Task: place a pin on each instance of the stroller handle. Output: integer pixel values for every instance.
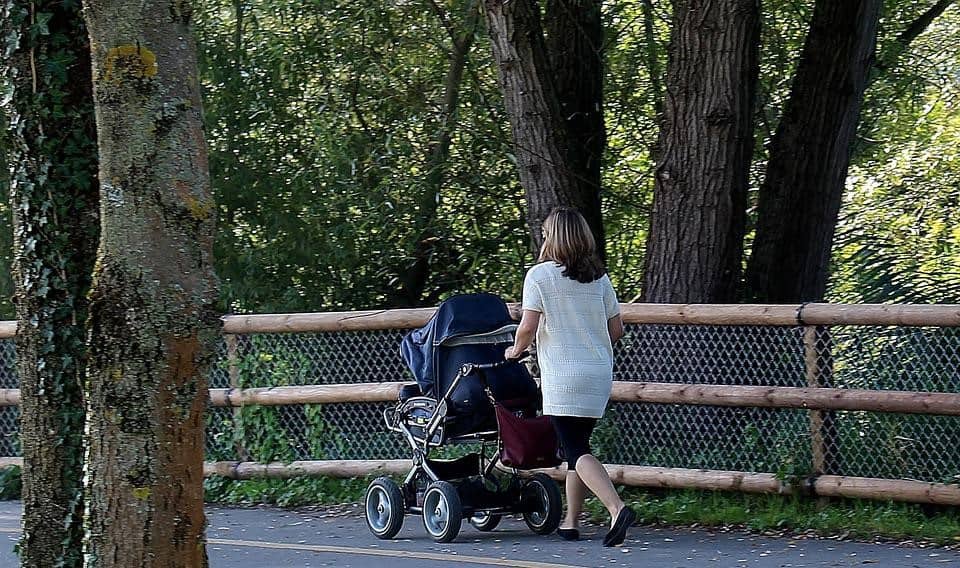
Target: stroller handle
(482, 366)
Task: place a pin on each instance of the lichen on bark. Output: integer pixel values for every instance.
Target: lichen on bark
(152, 320)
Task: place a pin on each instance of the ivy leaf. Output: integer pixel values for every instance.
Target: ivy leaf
(40, 27)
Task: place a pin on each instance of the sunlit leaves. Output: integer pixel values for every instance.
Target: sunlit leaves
(897, 238)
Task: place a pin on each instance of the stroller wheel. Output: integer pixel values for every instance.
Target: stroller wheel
(485, 521)
(542, 504)
(384, 507)
(442, 513)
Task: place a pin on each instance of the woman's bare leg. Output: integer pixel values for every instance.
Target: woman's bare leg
(595, 477)
(576, 491)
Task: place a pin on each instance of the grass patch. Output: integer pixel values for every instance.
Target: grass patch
(859, 519)
(285, 492)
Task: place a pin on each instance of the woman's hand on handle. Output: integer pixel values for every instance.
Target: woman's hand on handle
(525, 334)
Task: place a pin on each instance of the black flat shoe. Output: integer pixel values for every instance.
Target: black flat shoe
(625, 520)
(569, 534)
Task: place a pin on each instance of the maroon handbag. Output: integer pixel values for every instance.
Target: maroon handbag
(526, 443)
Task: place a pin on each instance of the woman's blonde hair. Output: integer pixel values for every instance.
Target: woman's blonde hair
(568, 241)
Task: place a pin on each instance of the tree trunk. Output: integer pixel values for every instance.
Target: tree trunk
(800, 197)
(548, 152)
(53, 174)
(152, 323)
(695, 243)
(574, 40)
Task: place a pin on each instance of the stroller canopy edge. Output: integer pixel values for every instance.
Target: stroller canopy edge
(460, 316)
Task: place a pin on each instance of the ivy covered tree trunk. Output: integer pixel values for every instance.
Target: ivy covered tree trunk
(152, 324)
(53, 183)
(801, 194)
(695, 243)
(550, 156)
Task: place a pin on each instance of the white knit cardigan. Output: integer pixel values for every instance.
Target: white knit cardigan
(573, 345)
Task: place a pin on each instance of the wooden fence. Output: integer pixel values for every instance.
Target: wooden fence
(814, 397)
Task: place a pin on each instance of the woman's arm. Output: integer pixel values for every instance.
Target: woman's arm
(526, 331)
(615, 328)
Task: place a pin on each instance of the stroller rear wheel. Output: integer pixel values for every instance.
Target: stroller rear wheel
(485, 521)
(384, 507)
(542, 504)
(442, 511)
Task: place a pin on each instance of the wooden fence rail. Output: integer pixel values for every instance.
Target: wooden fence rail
(944, 315)
(632, 475)
(906, 402)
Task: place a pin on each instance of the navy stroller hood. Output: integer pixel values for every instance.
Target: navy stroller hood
(472, 328)
(466, 314)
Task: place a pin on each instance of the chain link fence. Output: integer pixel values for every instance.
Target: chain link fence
(868, 444)
(9, 415)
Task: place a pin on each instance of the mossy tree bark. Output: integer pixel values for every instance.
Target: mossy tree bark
(695, 243)
(152, 323)
(53, 182)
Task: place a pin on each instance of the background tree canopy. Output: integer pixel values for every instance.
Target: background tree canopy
(354, 167)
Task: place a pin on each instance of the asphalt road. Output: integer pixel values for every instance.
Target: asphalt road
(268, 537)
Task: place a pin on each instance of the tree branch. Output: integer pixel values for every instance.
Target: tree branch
(921, 24)
(892, 54)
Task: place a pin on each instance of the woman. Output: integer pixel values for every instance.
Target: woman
(570, 305)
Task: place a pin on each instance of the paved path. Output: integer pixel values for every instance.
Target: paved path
(267, 538)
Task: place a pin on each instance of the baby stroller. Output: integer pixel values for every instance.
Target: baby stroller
(457, 360)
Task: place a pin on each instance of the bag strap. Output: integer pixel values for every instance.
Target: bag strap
(482, 376)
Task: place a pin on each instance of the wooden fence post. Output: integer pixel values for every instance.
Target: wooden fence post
(813, 380)
(233, 372)
(818, 356)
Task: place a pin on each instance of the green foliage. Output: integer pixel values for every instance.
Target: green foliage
(897, 240)
(323, 116)
(633, 92)
(272, 433)
(321, 122)
(11, 482)
(606, 437)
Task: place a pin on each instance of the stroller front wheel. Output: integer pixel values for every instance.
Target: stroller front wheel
(542, 504)
(384, 508)
(442, 511)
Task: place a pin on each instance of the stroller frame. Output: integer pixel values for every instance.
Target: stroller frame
(444, 492)
(433, 435)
